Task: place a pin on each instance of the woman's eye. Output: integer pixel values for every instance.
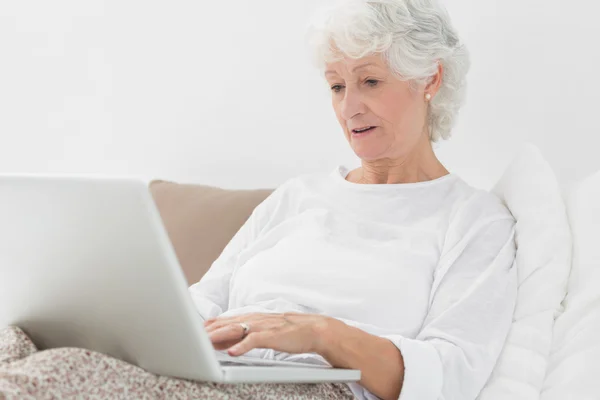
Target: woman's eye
(339, 88)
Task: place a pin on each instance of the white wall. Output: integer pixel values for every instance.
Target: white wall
(223, 93)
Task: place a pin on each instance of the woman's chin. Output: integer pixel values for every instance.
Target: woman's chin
(368, 153)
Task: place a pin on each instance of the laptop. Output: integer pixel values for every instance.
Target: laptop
(86, 262)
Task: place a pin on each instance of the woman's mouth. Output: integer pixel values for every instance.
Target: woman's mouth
(359, 132)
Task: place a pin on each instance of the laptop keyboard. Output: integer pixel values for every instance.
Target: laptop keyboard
(227, 360)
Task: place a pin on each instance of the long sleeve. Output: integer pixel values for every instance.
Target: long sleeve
(211, 293)
(471, 307)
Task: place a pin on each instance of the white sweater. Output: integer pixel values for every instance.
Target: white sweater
(428, 265)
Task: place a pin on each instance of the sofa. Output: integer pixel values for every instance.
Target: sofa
(553, 350)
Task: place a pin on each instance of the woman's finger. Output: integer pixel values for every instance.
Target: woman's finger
(226, 333)
(226, 345)
(252, 341)
(235, 331)
(222, 324)
(218, 324)
(254, 321)
(242, 318)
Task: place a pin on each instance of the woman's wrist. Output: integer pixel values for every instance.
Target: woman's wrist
(331, 335)
(379, 360)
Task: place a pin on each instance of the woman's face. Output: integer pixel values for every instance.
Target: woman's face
(382, 116)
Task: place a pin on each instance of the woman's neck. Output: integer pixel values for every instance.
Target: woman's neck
(419, 166)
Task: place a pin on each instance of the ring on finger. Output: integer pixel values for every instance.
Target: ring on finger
(245, 327)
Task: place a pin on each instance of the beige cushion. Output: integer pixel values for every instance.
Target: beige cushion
(201, 220)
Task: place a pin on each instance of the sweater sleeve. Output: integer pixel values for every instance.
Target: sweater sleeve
(471, 307)
(211, 293)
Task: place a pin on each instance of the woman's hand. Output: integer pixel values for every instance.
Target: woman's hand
(288, 332)
(343, 346)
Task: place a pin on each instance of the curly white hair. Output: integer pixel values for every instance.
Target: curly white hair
(412, 36)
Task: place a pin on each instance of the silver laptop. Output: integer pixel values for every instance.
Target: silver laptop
(86, 262)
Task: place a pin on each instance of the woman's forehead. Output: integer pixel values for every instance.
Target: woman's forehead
(348, 65)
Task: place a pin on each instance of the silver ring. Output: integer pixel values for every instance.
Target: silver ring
(245, 327)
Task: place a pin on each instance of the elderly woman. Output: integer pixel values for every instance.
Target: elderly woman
(397, 268)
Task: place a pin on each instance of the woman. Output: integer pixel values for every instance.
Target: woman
(397, 268)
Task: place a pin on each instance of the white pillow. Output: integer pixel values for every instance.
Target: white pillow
(574, 369)
(531, 192)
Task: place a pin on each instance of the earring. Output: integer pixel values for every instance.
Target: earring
(428, 96)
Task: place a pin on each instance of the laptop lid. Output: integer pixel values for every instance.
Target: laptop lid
(86, 262)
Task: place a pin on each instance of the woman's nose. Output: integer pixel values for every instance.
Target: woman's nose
(352, 105)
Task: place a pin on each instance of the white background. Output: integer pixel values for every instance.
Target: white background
(223, 92)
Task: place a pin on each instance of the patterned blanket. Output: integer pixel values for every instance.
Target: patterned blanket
(74, 373)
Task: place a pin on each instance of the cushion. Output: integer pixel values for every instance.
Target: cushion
(201, 220)
(574, 369)
(531, 192)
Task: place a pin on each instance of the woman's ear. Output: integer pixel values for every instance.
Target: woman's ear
(435, 81)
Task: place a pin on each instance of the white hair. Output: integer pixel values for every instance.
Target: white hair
(411, 35)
